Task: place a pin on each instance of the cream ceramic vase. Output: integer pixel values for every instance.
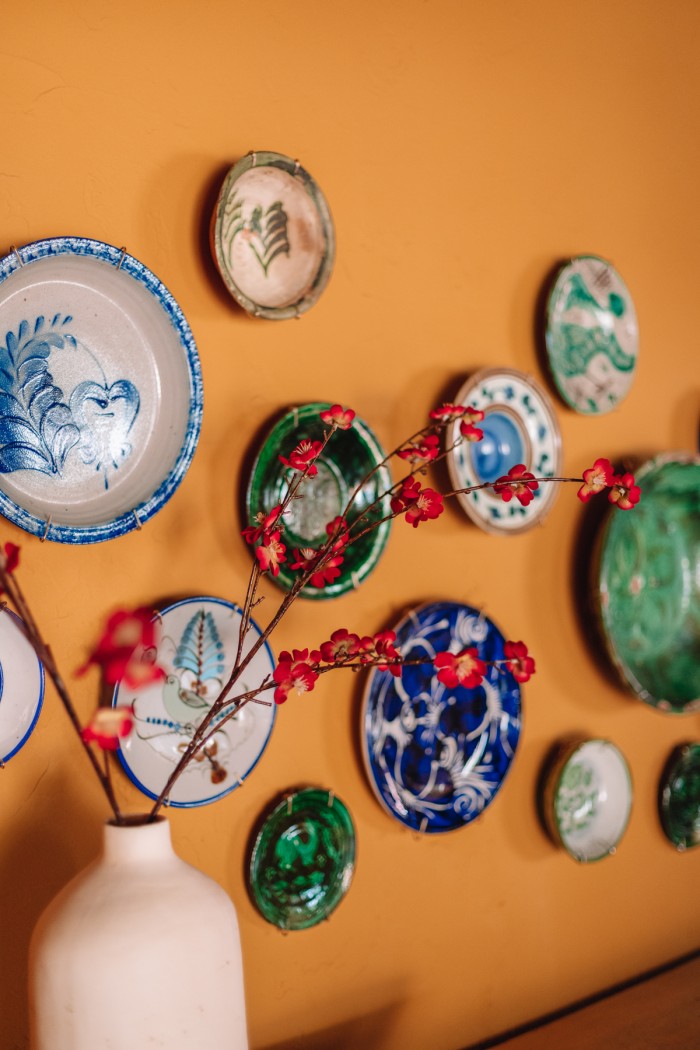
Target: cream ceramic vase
(139, 951)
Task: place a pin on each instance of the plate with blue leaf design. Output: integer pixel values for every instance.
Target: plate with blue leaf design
(100, 391)
(21, 686)
(435, 756)
(520, 426)
(197, 645)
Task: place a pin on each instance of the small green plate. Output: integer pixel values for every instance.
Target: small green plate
(679, 797)
(591, 335)
(272, 236)
(347, 459)
(303, 859)
(646, 584)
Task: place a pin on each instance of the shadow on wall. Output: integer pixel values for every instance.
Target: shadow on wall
(370, 1032)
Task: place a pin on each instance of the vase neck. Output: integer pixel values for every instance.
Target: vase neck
(137, 842)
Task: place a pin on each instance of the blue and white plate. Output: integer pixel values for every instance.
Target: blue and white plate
(21, 686)
(100, 391)
(197, 649)
(520, 426)
(436, 757)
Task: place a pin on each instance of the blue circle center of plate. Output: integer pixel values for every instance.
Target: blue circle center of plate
(500, 448)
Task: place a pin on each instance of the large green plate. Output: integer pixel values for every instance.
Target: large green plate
(679, 797)
(647, 585)
(348, 457)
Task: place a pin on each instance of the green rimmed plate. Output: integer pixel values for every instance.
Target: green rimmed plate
(591, 335)
(348, 457)
(679, 797)
(303, 859)
(272, 236)
(646, 584)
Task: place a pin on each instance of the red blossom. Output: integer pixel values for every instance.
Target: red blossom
(306, 558)
(108, 726)
(518, 482)
(595, 479)
(470, 432)
(252, 533)
(271, 552)
(9, 558)
(293, 672)
(518, 661)
(624, 492)
(338, 417)
(464, 668)
(303, 456)
(125, 652)
(341, 646)
(447, 412)
(419, 504)
(424, 451)
(337, 531)
(381, 650)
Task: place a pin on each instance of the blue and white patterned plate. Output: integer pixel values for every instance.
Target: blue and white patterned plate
(197, 648)
(21, 686)
(100, 391)
(520, 426)
(436, 757)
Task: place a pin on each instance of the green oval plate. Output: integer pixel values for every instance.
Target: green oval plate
(679, 797)
(591, 335)
(303, 859)
(646, 583)
(348, 457)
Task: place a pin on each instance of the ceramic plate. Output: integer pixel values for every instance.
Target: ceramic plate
(646, 585)
(591, 335)
(349, 456)
(21, 686)
(519, 426)
(272, 236)
(587, 799)
(679, 797)
(436, 757)
(197, 648)
(100, 391)
(303, 859)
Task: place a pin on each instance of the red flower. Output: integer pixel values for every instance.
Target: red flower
(472, 415)
(342, 646)
(305, 558)
(107, 726)
(293, 672)
(337, 530)
(447, 412)
(271, 552)
(252, 533)
(595, 479)
(338, 417)
(380, 650)
(9, 558)
(624, 492)
(419, 504)
(465, 669)
(425, 451)
(126, 650)
(517, 482)
(518, 661)
(303, 457)
(471, 433)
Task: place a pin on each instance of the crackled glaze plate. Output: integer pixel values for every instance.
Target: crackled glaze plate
(100, 391)
(591, 335)
(196, 649)
(436, 757)
(303, 859)
(679, 797)
(21, 686)
(520, 426)
(587, 798)
(272, 236)
(646, 585)
(346, 460)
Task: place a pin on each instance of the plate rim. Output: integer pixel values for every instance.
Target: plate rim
(42, 684)
(127, 521)
(157, 615)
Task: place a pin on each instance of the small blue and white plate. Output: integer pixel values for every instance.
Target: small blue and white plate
(21, 686)
(436, 757)
(197, 649)
(100, 391)
(520, 426)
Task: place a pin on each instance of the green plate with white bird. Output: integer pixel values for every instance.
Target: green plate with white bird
(198, 640)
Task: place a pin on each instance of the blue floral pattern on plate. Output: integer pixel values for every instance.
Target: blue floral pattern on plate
(436, 757)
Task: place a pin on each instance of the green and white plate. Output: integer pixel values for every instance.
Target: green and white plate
(272, 236)
(646, 585)
(520, 426)
(679, 797)
(587, 798)
(348, 458)
(591, 335)
(303, 859)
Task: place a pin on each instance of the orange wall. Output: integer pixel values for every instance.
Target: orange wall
(464, 147)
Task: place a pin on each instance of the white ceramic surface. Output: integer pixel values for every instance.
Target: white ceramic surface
(592, 800)
(21, 686)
